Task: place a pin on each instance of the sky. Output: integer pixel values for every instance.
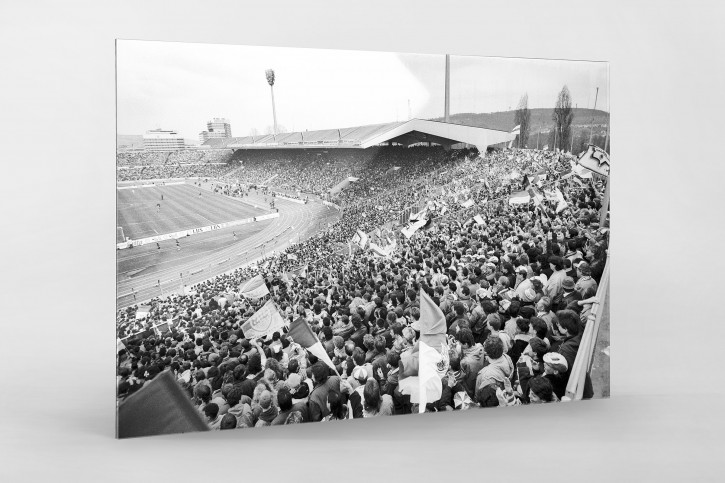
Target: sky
(181, 86)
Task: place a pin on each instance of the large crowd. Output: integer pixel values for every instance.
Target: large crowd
(516, 285)
(182, 156)
(168, 171)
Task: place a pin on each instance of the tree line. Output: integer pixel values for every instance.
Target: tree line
(564, 136)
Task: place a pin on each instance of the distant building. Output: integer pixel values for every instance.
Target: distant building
(203, 136)
(162, 140)
(218, 128)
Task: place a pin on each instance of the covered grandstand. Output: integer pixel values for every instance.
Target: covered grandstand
(405, 133)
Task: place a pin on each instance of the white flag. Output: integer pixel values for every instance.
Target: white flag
(265, 322)
(254, 288)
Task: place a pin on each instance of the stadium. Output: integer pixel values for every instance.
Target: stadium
(142, 220)
(312, 275)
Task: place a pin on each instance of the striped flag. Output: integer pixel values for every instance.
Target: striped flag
(421, 368)
(302, 334)
(254, 288)
(432, 322)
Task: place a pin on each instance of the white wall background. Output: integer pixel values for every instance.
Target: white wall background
(58, 274)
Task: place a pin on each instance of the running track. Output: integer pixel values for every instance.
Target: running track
(209, 254)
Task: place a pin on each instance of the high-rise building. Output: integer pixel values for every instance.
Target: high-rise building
(162, 140)
(219, 128)
(203, 136)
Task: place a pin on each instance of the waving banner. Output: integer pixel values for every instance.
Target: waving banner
(363, 238)
(254, 288)
(265, 322)
(410, 229)
(467, 203)
(595, 159)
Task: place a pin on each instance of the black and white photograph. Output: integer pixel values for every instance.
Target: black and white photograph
(310, 235)
(228, 226)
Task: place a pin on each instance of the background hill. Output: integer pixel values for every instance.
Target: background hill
(541, 120)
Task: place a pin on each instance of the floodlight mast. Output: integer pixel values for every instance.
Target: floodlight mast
(447, 108)
(270, 81)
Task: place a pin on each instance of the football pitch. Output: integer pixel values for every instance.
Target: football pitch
(141, 212)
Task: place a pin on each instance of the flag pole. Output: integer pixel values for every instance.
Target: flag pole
(591, 129)
(605, 203)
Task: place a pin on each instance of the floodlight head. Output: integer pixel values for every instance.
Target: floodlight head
(270, 76)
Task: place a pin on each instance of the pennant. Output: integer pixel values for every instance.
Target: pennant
(265, 322)
(302, 334)
(254, 288)
(432, 322)
(160, 407)
(120, 345)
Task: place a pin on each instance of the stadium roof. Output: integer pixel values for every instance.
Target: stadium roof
(361, 137)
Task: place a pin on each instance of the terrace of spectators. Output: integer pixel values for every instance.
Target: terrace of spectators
(466, 268)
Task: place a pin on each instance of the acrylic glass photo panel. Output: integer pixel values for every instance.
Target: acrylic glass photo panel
(309, 236)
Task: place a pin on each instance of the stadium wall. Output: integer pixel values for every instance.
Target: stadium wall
(192, 231)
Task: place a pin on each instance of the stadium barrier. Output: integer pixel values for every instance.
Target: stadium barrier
(332, 205)
(193, 231)
(293, 200)
(266, 217)
(582, 367)
(149, 185)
